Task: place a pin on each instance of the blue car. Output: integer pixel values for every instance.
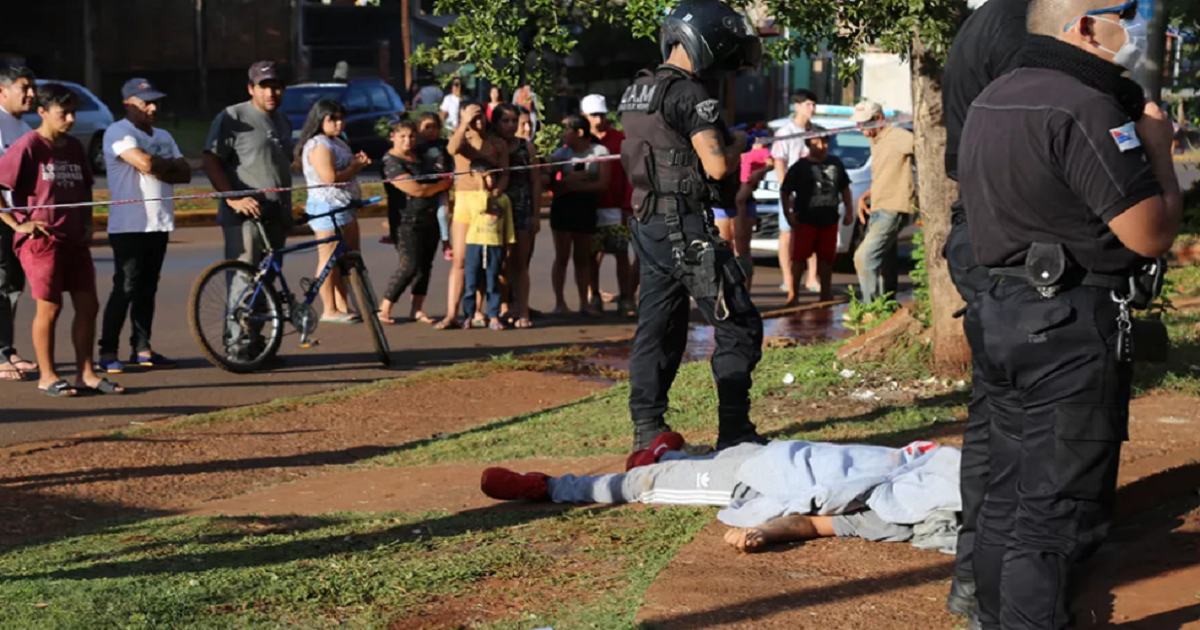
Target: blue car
(365, 100)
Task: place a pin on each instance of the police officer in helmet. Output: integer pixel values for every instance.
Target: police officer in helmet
(676, 149)
(1070, 196)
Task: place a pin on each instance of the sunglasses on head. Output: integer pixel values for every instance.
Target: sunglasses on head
(1126, 11)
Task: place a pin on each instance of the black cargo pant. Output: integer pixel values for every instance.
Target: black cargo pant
(1059, 406)
(662, 332)
(970, 279)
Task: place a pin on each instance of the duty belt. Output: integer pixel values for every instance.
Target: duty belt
(1088, 279)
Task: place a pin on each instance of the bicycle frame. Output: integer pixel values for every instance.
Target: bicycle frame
(272, 264)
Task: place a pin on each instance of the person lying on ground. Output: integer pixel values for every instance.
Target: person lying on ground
(783, 491)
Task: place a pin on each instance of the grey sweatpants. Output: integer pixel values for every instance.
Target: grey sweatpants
(709, 480)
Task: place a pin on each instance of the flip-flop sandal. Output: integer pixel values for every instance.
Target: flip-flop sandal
(497, 325)
(59, 389)
(446, 325)
(523, 324)
(105, 387)
(26, 366)
(12, 375)
(424, 319)
(341, 319)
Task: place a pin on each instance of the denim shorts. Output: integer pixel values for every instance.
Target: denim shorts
(326, 224)
(784, 226)
(722, 213)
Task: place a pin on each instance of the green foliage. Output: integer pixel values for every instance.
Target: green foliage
(383, 127)
(863, 316)
(920, 278)
(548, 138)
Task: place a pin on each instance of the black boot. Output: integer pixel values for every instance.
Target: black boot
(961, 601)
(732, 432)
(646, 429)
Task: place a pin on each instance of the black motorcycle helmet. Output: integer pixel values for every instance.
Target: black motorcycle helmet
(715, 36)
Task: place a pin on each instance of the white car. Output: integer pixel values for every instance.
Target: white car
(91, 120)
(851, 147)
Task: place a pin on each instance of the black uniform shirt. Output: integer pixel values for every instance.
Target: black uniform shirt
(1045, 158)
(984, 49)
(689, 110)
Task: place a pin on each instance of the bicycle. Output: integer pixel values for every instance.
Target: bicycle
(237, 314)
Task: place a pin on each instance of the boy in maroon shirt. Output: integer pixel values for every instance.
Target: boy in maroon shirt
(48, 167)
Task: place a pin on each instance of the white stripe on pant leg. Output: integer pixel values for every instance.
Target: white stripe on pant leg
(685, 497)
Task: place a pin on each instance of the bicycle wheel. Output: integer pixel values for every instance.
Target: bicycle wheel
(237, 325)
(368, 305)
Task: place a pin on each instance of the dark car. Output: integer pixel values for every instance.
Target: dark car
(365, 100)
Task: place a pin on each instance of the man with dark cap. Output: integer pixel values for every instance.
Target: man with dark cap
(143, 163)
(985, 48)
(250, 147)
(1071, 196)
(676, 148)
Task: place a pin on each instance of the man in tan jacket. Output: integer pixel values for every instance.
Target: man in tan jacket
(890, 202)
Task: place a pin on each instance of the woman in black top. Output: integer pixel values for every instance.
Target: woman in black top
(523, 190)
(412, 217)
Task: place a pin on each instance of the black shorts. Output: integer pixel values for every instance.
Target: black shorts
(574, 212)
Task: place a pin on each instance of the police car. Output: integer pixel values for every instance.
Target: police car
(851, 147)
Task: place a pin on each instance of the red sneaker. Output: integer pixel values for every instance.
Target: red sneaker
(507, 485)
(669, 441)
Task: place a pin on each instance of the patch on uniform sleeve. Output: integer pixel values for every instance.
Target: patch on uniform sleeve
(1126, 137)
(708, 110)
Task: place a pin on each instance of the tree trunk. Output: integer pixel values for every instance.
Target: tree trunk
(951, 353)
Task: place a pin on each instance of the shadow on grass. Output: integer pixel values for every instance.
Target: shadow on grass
(262, 554)
(34, 510)
(940, 400)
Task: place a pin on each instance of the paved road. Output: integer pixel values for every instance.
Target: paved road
(343, 357)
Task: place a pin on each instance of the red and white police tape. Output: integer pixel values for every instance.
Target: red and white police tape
(237, 194)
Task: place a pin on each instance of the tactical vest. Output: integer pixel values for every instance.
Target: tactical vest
(660, 162)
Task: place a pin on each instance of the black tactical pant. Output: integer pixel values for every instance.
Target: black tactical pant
(970, 279)
(662, 332)
(1059, 406)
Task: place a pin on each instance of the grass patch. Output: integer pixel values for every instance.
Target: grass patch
(599, 425)
(585, 567)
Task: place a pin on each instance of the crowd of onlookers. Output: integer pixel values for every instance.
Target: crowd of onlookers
(483, 219)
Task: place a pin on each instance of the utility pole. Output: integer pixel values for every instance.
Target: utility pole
(406, 41)
(201, 58)
(1150, 74)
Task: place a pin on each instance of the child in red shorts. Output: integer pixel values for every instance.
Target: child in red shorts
(810, 195)
(48, 167)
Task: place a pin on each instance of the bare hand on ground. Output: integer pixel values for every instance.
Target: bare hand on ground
(746, 539)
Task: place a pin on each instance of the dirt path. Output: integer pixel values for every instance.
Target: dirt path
(448, 487)
(60, 489)
(1148, 575)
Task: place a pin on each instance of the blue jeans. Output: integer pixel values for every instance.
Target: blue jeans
(875, 260)
(483, 260)
(443, 216)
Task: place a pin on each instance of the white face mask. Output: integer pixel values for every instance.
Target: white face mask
(1134, 49)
